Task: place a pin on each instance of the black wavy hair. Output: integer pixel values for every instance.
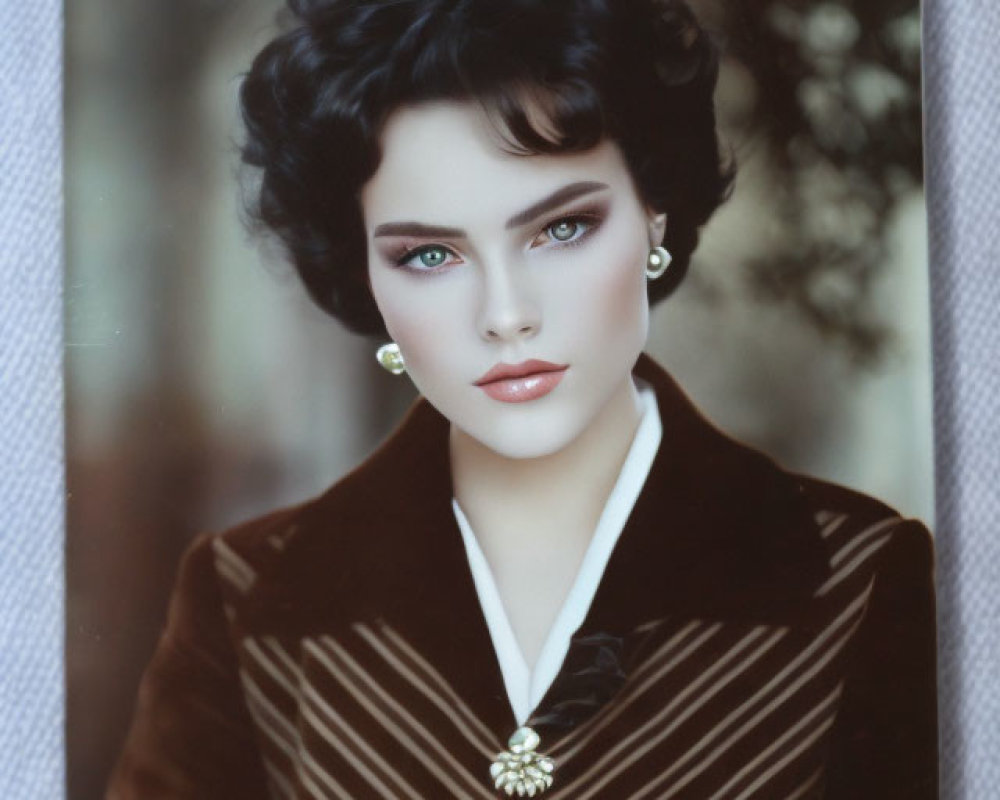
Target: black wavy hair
(640, 72)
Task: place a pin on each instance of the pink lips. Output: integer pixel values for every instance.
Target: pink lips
(519, 383)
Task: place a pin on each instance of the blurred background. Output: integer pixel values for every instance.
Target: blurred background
(203, 388)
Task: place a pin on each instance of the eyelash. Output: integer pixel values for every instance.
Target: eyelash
(591, 219)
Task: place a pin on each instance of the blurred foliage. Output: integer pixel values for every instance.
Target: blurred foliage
(836, 105)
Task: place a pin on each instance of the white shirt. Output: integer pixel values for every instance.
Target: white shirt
(526, 687)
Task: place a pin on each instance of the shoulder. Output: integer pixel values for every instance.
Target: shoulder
(878, 603)
(877, 579)
(741, 499)
(858, 530)
(344, 546)
(250, 555)
(794, 545)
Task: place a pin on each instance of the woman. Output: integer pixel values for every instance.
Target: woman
(555, 576)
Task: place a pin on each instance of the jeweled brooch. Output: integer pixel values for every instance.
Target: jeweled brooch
(519, 768)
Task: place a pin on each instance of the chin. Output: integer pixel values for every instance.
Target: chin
(523, 441)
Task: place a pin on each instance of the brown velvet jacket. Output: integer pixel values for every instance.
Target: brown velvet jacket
(756, 634)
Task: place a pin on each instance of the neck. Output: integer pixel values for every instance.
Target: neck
(568, 488)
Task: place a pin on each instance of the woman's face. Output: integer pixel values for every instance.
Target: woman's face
(482, 262)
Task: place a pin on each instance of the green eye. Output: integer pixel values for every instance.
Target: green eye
(427, 258)
(564, 230)
(433, 256)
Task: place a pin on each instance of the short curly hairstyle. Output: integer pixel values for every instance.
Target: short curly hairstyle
(314, 103)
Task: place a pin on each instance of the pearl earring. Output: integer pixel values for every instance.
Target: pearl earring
(390, 358)
(657, 262)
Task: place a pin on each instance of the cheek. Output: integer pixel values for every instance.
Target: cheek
(418, 335)
(416, 318)
(618, 299)
(627, 289)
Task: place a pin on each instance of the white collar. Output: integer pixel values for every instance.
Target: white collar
(525, 688)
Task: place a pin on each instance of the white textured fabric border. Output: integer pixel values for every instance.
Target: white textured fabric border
(962, 78)
(964, 192)
(31, 471)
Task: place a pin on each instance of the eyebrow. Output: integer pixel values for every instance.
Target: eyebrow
(558, 198)
(418, 229)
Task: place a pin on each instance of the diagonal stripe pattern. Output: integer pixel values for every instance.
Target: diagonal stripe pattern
(713, 709)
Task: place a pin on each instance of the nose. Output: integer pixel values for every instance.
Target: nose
(508, 312)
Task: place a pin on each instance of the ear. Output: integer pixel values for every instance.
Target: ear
(657, 227)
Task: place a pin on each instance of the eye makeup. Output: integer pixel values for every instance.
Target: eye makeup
(590, 218)
(431, 252)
